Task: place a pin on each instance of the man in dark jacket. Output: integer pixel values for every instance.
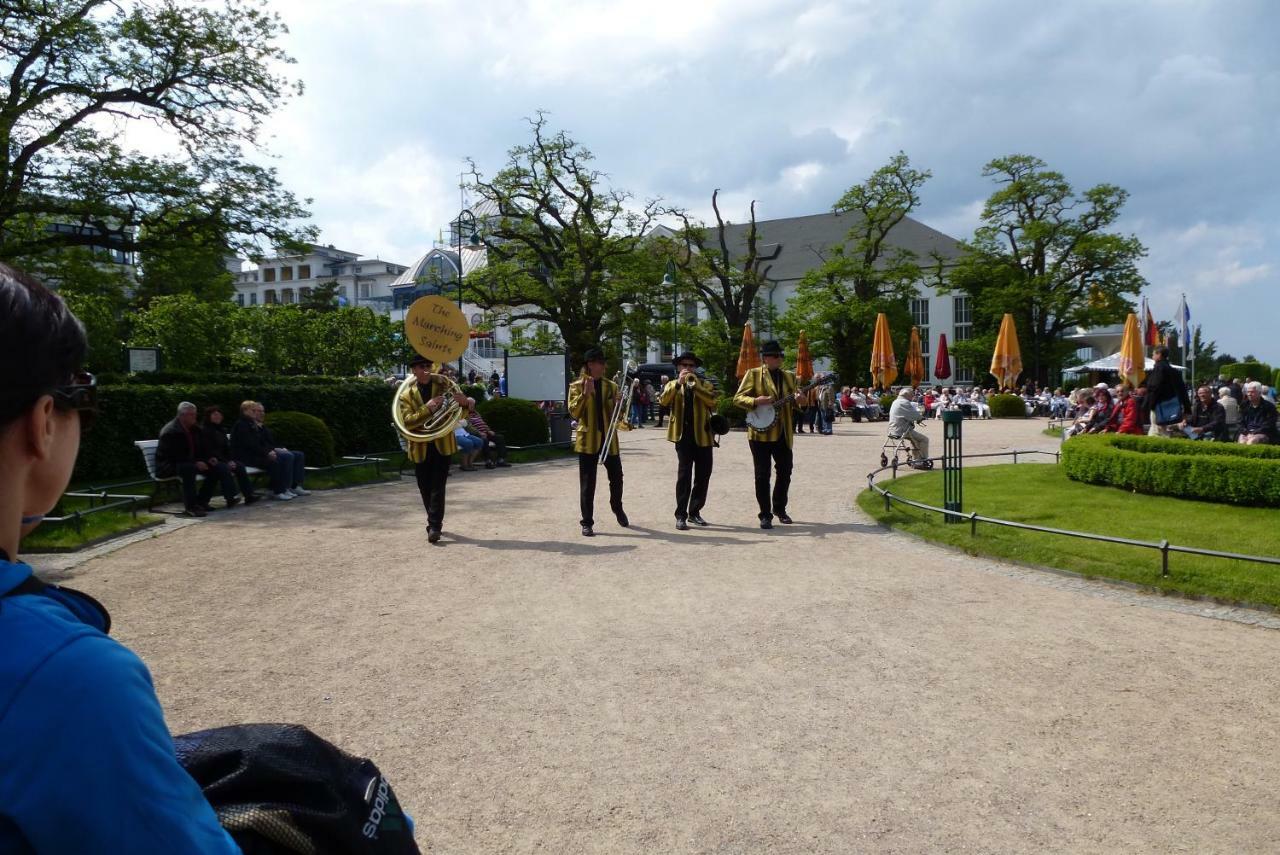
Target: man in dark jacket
(1165, 386)
(213, 434)
(181, 453)
(1257, 418)
(253, 445)
(1208, 420)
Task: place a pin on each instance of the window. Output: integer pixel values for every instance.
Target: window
(342, 291)
(304, 293)
(253, 299)
(240, 300)
(286, 274)
(390, 269)
(964, 310)
(963, 332)
(304, 271)
(288, 296)
(920, 312)
(268, 274)
(269, 297)
(359, 269)
(690, 313)
(364, 290)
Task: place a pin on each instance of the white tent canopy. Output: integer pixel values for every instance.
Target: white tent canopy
(1109, 363)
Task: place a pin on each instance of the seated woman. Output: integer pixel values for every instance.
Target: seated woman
(469, 445)
(1084, 416)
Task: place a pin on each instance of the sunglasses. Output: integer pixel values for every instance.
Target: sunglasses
(81, 395)
(686, 365)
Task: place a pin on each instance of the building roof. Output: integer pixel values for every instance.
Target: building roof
(472, 259)
(792, 246)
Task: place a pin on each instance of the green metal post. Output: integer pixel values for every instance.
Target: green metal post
(952, 482)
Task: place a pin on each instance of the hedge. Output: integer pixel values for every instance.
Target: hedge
(357, 412)
(1209, 471)
(736, 415)
(520, 422)
(886, 401)
(303, 432)
(1259, 371)
(1007, 407)
(218, 378)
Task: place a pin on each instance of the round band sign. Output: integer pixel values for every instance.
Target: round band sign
(436, 328)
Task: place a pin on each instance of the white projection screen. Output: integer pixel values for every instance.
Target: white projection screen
(538, 378)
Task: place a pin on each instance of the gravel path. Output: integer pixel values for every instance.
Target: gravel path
(823, 687)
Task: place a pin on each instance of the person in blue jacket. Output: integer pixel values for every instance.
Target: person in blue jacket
(86, 761)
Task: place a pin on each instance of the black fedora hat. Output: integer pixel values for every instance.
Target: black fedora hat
(771, 348)
(689, 355)
(593, 354)
(419, 359)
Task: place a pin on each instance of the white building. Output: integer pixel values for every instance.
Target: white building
(289, 278)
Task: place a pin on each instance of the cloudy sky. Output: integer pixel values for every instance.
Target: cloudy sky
(790, 102)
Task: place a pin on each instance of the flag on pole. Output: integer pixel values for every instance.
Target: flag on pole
(1150, 333)
(1184, 321)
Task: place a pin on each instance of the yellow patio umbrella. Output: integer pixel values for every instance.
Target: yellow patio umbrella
(748, 356)
(884, 367)
(1006, 362)
(804, 362)
(1132, 354)
(913, 368)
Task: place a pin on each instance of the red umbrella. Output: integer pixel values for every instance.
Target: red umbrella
(942, 361)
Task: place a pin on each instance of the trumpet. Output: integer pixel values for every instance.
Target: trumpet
(691, 379)
(621, 406)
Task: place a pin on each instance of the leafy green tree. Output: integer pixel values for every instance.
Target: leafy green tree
(192, 335)
(78, 72)
(183, 256)
(563, 248)
(535, 339)
(836, 303)
(1045, 254)
(323, 298)
(101, 320)
(351, 340)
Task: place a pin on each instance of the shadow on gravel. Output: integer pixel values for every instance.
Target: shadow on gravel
(564, 548)
(695, 535)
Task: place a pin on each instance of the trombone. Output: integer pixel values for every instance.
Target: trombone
(622, 406)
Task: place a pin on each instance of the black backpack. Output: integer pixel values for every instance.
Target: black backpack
(279, 788)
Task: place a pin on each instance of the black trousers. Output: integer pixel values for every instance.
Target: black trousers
(587, 470)
(693, 471)
(432, 473)
(761, 454)
(215, 475)
(495, 449)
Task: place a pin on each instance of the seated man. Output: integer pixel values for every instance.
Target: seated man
(1257, 417)
(903, 416)
(1058, 404)
(181, 453)
(253, 445)
(1207, 419)
(469, 445)
(495, 447)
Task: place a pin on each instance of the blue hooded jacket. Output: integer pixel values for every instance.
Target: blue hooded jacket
(88, 763)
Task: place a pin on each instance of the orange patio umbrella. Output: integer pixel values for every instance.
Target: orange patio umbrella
(1006, 362)
(884, 366)
(913, 367)
(748, 356)
(804, 362)
(1133, 361)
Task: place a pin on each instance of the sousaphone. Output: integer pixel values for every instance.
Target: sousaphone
(436, 328)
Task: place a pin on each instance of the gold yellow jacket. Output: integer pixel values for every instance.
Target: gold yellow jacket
(704, 399)
(414, 413)
(757, 382)
(590, 435)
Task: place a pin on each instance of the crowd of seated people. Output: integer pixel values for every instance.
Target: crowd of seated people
(1212, 417)
(190, 451)
(860, 404)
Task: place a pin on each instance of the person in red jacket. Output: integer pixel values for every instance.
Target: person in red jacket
(1127, 415)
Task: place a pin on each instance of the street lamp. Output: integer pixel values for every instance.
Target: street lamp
(669, 280)
(466, 220)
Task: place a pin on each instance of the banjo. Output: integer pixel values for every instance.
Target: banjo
(763, 416)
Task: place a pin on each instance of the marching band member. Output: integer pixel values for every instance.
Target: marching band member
(430, 459)
(690, 400)
(591, 401)
(762, 386)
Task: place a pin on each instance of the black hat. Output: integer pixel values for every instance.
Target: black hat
(771, 348)
(419, 359)
(689, 355)
(593, 354)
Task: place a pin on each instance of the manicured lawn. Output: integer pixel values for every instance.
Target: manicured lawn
(1041, 494)
(61, 536)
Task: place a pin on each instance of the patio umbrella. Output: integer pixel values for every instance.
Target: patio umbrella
(913, 367)
(884, 367)
(942, 361)
(804, 362)
(1006, 362)
(1132, 354)
(748, 356)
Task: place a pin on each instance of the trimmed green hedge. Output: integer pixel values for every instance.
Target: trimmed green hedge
(1210, 471)
(736, 415)
(357, 413)
(886, 401)
(520, 422)
(217, 378)
(303, 432)
(1259, 371)
(1007, 407)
